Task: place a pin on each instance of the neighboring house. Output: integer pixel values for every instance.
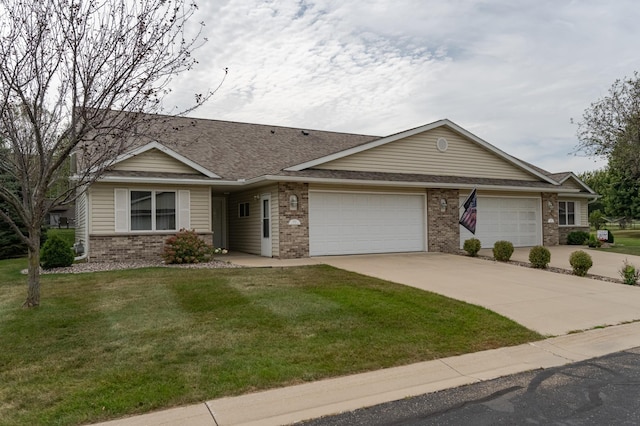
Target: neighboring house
(62, 216)
(291, 193)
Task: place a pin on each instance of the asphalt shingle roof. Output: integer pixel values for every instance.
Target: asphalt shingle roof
(243, 151)
(236, 151)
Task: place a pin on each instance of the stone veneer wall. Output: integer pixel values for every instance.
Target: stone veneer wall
(294, 239)
(126, 248)
(565, 230)
(443, 228)
(550, 232)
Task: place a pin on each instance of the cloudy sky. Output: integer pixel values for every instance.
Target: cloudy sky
(512, 72)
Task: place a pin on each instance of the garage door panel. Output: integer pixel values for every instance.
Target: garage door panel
(512, 219)
(353, 223)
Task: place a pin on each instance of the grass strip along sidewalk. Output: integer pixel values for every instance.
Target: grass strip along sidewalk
(105, 345)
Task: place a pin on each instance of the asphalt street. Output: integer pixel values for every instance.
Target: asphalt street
(599, 391)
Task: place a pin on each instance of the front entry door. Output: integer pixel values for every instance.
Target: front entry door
(265, 201)
(219, 221)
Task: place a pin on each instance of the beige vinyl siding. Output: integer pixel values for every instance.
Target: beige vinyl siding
(102, 206)
(584, 213)
(572, 184)
(419, 154)
(154, 161)
(200, 209)
(245, 233)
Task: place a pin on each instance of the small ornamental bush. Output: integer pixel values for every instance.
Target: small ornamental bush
(580, 262)
(472, 246)
(186, 247)
(502, 251)
(56, 253)
(539, 257)
(594, 242)
(629, 273)
(577, 238)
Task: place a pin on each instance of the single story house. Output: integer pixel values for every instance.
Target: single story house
(291, 193)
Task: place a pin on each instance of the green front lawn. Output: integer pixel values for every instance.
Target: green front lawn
(625, 241)
(106, 345)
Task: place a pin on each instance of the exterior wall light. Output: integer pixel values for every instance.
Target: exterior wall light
(443, 205)
(293, 202)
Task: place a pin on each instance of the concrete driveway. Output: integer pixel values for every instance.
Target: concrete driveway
(550, 303)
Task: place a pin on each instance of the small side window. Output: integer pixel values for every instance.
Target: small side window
(243, 210)
(567, 213)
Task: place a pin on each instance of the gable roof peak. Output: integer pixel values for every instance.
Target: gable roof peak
(168, 151)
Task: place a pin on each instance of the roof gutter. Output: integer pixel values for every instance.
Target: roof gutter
(277, 178)
(271, 178)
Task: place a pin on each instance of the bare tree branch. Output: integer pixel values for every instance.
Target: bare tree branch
(82, 76)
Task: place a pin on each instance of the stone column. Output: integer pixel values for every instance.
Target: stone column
(443, 230)
(550, 230)
(294, 220)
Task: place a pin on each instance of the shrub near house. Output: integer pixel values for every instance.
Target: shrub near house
(56, 253)
(580, 262)
(186, 247)
(502, 251)
(539, 257)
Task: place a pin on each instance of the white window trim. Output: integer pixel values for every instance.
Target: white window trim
(577, 219)
(122, 210)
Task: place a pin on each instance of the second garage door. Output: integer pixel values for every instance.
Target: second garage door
(358, 223)
(517, 220)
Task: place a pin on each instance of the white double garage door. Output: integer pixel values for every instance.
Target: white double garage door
(359, 223)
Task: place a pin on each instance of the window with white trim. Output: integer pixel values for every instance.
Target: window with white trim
(567, 213)
(151, 210)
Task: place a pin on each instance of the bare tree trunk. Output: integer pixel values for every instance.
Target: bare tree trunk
(33, 278)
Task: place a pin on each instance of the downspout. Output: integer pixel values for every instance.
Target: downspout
(85, 255)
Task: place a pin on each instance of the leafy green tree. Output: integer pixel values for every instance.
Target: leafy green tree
(622, 199)
(598, 180)
(81, 76)
(596, 220)
(610, 127)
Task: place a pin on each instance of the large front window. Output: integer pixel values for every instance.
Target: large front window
(567, 212)
(153, 211)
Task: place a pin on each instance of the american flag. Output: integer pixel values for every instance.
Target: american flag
(468, 219)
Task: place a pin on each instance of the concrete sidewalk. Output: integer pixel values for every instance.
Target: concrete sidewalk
(311, 400)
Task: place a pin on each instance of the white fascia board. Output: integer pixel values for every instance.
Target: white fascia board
(169, 152)
(407, 184)
(392, 138)
(167, 181)
(577, 195)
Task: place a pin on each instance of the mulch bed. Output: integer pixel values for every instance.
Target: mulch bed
(554, 269)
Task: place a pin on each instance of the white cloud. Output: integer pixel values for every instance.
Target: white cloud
(513, 73)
